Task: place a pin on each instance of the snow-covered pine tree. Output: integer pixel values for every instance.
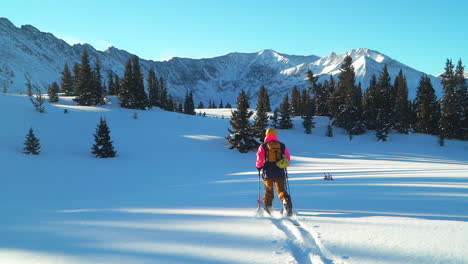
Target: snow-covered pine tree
(401, 108)
(261, 117)
(53, 91)
(450, 115)
(67, 81)
(32, 144)
(103, 147)
(383, 105)
(427, 108)
(285, 121)
(241, 136)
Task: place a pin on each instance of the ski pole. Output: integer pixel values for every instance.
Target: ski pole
(258, 199)
(287, 182)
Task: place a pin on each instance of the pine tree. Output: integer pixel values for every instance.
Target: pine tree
(383, 105)
(53, 91)
(67, 81)
(76, 78)
(98, 89)
(221, 104)
(117, 83)
(461, 94)
(111, 83)
(427, 108)
(241, 135)
(32, 144)
(402, 105)
(261, 116)
(296, 105)
(308, 110)
(103, 147)
(189, 105)
(153, 88)
(285, 121)
(450, 115)
(329, 130)
(228, 105)
(38, 100)
(86, 85)
(201, 105)
(263, 94)
(275, 118)
(348, 100)
(164, 98)
(369, 104)
(140, 96)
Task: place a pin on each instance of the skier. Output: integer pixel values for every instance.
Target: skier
(268, 155)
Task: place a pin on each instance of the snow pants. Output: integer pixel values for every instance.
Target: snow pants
(279, 183)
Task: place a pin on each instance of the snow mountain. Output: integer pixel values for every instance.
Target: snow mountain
(27, 53)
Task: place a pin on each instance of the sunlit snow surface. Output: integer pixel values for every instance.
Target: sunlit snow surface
(177, 194)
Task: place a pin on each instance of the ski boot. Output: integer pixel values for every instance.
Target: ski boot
(287, 204)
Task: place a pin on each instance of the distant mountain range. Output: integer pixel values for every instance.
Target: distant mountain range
(27, 53)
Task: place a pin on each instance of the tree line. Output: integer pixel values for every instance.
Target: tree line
(384, 107)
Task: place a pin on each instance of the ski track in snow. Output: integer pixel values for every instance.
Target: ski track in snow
(304, 244)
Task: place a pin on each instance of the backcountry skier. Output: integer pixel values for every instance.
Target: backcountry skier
(273, 157)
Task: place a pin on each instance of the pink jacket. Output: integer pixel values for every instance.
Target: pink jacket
(261, 151)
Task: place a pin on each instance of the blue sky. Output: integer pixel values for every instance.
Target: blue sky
(421, 34)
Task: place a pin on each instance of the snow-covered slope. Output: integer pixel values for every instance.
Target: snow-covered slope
(27, 53)
(177, 194)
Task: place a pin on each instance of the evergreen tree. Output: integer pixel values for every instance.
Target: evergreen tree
(189, 105)
(329, 130)
(140, 96)
(201, 105)
(241, 135)
(312, 80)
(29, 87)
(67, 81)
(117, 84)
(275, 118)
(369, 104)
(153, 88)
(308, 114)
(402, 105)
(285, 121)
(383, 105)
(53, 91)
(263, 94)
(32, 144)
(261, 116)
(221, 104)
(38, 100)
(133, 93)
(296, 105)
(98, 89)
(103, 147)
(111, 83)
(228, 105)
(164, 98)
(450, 110)
(461, 94)
(427, 108)
(348, 100)
(76, 78)
(86, 85)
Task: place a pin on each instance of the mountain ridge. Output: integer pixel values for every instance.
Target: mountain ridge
(28, 53)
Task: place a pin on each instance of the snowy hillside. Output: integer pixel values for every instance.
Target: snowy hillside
(27, 53)
(177, 194)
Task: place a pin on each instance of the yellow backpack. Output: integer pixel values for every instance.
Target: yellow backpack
(274, 153)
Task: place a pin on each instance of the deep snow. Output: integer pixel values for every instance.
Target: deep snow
(176, 194)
